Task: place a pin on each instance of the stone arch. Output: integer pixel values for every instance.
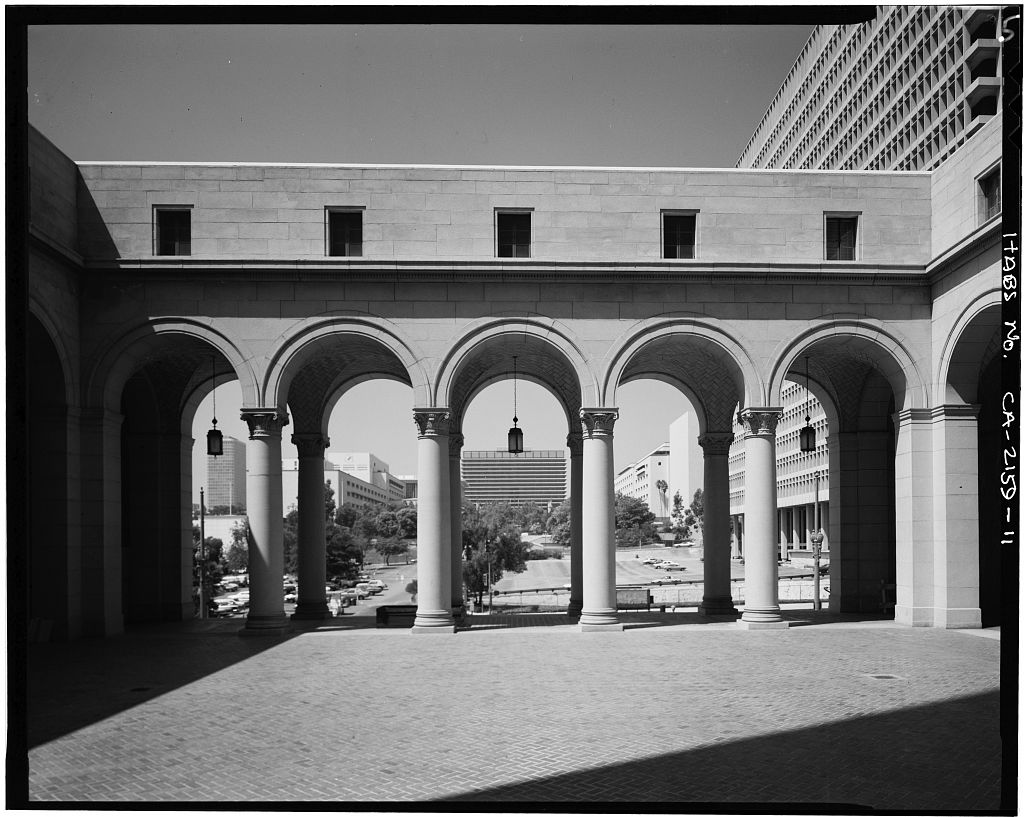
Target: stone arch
(312, 369)
(548, 355)
(867, 344)
(721, 373)
(969, 347)
(37, 310)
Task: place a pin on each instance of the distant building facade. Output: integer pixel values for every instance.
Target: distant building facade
(640, 480)
(369, 469)
(349, 475)
(225, 477)
(497, 476)
(686, 463)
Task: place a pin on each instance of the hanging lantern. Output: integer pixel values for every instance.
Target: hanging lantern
(807, 435)
(214, 438)
(515, 434)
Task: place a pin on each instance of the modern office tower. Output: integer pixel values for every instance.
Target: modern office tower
(686, 465)
(900, 92)
(369, 468)
(640, 481)
(225, 477)
(412, 486)
(348, 489)
(497, 476)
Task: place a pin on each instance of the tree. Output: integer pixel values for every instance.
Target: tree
(559, 524)
(411, 588)
(390, 547)
(490, 537)
(679, 526)
(344, 558)
(291, 542)
(347, 515)
(694, 516)
(386, 524)
(634, 522)
(407, 518)
(213, 572)
(237, 557)
(662, 487)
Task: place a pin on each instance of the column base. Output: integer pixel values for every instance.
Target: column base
(592, 621)
(719, 606)
(458, 612)
(311, 611)
(431, 621)
(762, 619)
(276, 624)
(762, 625)
(575, 608)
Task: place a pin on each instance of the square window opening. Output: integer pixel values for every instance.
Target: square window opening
(173, 228)
(513, 234)
(840, 238)
(345, 233)
(679, 235)
(990, 195)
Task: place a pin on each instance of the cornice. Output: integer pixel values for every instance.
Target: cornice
(43, 241)
(986, 236)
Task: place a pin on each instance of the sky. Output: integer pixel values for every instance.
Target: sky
(618, 96)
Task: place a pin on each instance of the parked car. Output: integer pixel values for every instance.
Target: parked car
(653, 560)
(377, 583)
(290, 597)
(674, 567)
(224, 607)
(351, 594)
(666, 565)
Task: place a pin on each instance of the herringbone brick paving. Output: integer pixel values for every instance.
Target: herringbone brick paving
(673, 714)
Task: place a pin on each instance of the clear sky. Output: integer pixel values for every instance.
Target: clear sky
(652, 96)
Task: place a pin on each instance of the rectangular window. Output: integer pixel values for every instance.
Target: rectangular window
(172, 230)
(840, 238)
(990, 198)
(345, 232)
(513, 233)
(679, 235)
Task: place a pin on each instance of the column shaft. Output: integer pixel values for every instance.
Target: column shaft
(312, 532)
(455, 442)
(761, 608)
(717, 569)
(433, 533)
(575, 444)
(266, 524)
(599, 600)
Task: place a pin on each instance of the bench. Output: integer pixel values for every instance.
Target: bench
(632, 599)
(396, 615)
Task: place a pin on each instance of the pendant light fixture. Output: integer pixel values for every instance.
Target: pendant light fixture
(214, 439)
(807, 441)
(515, 434)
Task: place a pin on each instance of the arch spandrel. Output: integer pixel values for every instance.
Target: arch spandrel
(68, 367)
(709, 366)
(971, 344)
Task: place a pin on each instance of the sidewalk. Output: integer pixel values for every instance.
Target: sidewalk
(678, 709)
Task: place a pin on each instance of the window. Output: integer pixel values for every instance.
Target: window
(990, 201)
(679, 234)
(513, 233)
(172, 230)
(344, 232)
(841, 238)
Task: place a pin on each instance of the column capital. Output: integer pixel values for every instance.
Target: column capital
(455, 443)
(598, 422)
(264, 422)
(574, 442)
(715, 442)
(760, 422)
(432, 422)
(310, 444)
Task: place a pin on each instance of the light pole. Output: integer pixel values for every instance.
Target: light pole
(202, 554)
(816, 539)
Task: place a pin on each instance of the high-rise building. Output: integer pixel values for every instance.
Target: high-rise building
(225, 477)
(497, 476)
(686, 466)
(900, 92)
(643, 480)
(368, 468)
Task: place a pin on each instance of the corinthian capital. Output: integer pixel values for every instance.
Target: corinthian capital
(455, 442)
(598, 422)
(264, 422)
(310, 445)
(574, 442)
(431, 422)
(715, 442)
(760, 422)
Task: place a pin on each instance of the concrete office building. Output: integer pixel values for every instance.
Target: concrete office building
(225, 477)
(686, 462)
(370, 469)
(497, 476)
(300, 280)
(640, 481)
(411, 488)
(348, 489)
(901, 92)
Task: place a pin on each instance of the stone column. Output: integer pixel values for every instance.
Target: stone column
(266, 523)
(599, 601)
(575, 444)
(455, 442)
(717, 570)
(915, 511)
(433, 526)
(312, 533)
(761, 609)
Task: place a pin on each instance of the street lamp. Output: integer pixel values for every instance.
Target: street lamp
(214, 439)
(807, 441)
(816, 539)
(515, 434)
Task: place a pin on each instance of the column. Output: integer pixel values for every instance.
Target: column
(433, 527)
(762, 568)
(266, 523)
(455, 442)
(575, 444)
(957, 578)
(599, 601)
(312, 532)
(717, 569)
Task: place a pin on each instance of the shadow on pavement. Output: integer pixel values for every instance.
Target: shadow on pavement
(940, 757)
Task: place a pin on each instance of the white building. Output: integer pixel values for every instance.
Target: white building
(686, 465)
(640, 481)
(370, 469)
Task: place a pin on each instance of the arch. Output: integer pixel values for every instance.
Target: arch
(975, 324)
(71, 385)
(536, 336)
(858, 339)
(129, 351)
(719, 349)
(292, 356)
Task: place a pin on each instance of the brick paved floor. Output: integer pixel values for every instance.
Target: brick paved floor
(677, 715)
